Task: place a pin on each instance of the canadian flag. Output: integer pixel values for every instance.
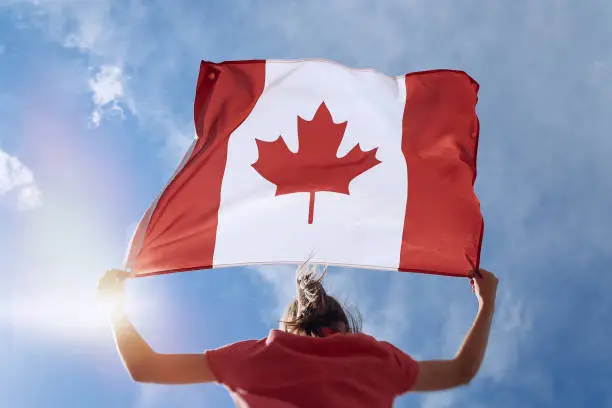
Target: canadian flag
(297, 160)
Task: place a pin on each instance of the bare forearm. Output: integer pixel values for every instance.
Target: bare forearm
(471, 353)
(133, 349)
(147, 366)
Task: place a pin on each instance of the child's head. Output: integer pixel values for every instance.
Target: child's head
(313, 309)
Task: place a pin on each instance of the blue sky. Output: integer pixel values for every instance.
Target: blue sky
(96, 110)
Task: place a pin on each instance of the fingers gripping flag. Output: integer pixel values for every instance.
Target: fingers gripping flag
(298, 159)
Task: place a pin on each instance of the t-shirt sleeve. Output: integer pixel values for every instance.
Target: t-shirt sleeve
(408, 369)
(228, 363)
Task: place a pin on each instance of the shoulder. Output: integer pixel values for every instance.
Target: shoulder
(232, 355)
(236, 349)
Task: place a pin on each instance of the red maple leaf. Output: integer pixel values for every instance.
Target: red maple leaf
(315, 166)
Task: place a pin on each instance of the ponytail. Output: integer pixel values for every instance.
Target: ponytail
(313, 310)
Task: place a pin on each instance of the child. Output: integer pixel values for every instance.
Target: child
(316, 359)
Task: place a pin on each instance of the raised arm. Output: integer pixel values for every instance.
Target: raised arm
(142, 363)
(438, 375)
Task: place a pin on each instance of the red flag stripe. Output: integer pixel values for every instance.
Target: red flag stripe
(139, 236)
(181, 226)
(443, 225)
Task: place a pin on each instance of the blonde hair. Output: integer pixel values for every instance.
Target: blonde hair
(313, 309)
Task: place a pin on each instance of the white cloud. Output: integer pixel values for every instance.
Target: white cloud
(107, 89)
(116, 37)
(510, 330)
(15, 176)
(512, 325)
(281, 279)
(89, 27)
(92, 22)
(444, 399)
(30, 197)
(106, 86)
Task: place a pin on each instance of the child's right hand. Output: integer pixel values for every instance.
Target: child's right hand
(485, 287)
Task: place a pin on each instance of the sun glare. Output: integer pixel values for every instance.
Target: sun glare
(65, 249)
(77, 316)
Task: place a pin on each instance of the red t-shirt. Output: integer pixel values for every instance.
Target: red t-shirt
(290, 371)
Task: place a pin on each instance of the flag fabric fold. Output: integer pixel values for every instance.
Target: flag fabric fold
(312, 159)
